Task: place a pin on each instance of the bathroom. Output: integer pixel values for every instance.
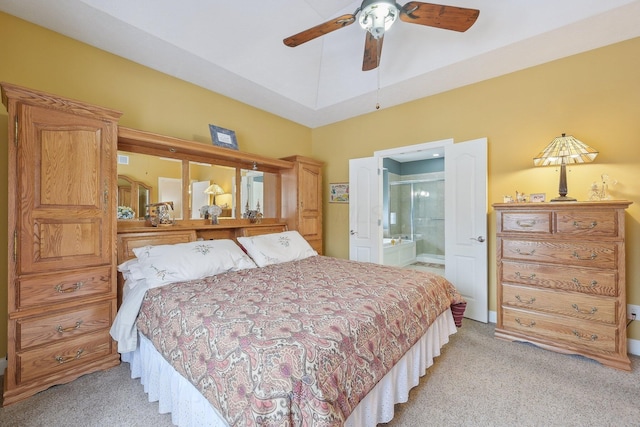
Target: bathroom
(413, 219)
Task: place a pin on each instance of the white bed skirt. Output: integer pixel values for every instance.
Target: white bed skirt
(189, 408)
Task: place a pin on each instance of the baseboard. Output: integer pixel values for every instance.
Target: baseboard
(493, 317)
(633, 346)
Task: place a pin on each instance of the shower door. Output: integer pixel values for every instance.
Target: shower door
(428, 220)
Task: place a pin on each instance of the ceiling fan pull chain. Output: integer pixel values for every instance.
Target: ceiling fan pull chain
(378, 76)
(378, 91)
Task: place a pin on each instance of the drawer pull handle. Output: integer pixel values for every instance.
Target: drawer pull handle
(576, 224)
(577, 309)
(520, 276)
(530, 325)
(62, 359)
(593, 256)
(591, 337)
(517, 250)
(593, 283)
(526, 223)
(60, 329)
(76, 286)
(529, 301)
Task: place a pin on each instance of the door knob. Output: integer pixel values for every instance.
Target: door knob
(353, 233)
(477, 239)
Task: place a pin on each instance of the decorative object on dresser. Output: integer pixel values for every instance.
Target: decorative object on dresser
(62, 204)
(561, 277)
(561, 151)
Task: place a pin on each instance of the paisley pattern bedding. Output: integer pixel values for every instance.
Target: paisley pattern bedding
(292, 344)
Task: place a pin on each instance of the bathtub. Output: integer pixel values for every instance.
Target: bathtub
(398, 252)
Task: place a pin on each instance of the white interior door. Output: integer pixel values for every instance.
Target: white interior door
(466, 224)
(365, 209)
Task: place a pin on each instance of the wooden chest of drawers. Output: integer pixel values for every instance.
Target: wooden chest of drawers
(561, 277)
(61, 281)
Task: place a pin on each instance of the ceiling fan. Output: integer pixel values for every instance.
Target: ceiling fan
(377, 16)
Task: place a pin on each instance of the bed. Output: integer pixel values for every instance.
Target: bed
(274, 334)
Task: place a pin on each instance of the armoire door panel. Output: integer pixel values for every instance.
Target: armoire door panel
(67, 156)
(64, 200)
(71, 238)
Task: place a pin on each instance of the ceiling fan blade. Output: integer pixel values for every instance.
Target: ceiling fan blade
(319, 30)
(439, 16)
(372, 52)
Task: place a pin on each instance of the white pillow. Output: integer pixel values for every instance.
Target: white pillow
(275, 248)
(129, 270)
(187, 261)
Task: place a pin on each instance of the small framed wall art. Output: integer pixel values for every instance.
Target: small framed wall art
(222, 137)
(339, 192)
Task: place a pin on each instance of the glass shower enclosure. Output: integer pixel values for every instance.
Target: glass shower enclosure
(416, 212)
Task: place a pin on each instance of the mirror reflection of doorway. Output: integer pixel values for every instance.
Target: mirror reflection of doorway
(170, 190)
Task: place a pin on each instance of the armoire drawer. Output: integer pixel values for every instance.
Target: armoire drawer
(587, 223)
(526, 222)
(593, 336)
(574, 304)
(585, 254)
(45, 289)
(49, 360)
(589, 281)
(33, 331)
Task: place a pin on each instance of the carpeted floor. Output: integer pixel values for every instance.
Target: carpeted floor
(477, 381)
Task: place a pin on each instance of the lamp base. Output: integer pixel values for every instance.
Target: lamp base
(564, 199)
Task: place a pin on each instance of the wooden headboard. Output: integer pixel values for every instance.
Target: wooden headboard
(131, 239)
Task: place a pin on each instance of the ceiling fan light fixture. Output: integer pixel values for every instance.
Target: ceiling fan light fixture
(377, 16)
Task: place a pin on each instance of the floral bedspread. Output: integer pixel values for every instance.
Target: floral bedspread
(292, 344)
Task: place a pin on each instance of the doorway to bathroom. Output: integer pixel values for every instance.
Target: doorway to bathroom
(465, 211)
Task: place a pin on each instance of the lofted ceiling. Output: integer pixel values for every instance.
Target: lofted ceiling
(236, 49)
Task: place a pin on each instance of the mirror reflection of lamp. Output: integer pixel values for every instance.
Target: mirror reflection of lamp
(215, 190)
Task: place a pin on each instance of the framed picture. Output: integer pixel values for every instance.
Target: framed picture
(224, 138)
(537, 197)
(339, 192)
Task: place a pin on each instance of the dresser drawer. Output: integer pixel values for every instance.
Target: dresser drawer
(34, 331)
(52, 359)
(44, 289)
(571, 304)
(526, 222)
(587, 223)
(587, 254)
(593, 336)
(589, 281)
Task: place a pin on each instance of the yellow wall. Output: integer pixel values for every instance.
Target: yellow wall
(40, 59)
(594, 96)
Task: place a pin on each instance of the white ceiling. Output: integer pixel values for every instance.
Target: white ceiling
(235, 48)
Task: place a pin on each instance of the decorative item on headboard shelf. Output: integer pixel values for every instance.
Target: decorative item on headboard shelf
(160, 214)
(253, 215)
(211, 212)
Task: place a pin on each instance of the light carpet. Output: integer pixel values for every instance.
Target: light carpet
(477, 381)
